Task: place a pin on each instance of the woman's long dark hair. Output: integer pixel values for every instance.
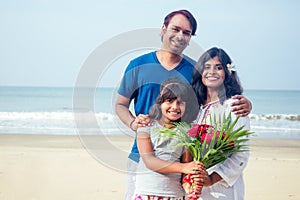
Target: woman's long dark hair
(232, 85)
(172, 89)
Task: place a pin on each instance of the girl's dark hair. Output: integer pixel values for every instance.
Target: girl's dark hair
(172, 89)
(185, 13)
(232, 85)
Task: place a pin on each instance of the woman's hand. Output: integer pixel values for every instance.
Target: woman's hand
(205, 179)
(198, 180)
(242, 106)
(201, 179)
(194, 167)
(197, 175)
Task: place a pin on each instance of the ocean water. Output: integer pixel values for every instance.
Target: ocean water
(51, 110)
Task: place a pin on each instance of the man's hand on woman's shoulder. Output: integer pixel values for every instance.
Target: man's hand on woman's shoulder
(242, 106)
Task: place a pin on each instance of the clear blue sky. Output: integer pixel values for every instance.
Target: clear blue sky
(45, 42)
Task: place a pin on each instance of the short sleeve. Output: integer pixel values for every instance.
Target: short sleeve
(128, 83)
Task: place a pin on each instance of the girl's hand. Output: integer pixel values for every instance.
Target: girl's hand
(194, 167)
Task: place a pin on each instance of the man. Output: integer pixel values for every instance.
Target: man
(143, 76)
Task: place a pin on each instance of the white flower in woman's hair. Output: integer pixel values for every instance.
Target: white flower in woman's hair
(231, 68)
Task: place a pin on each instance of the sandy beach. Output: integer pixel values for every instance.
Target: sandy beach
(41, 167)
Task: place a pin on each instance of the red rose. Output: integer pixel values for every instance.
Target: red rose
(198, 129)
(194, 131)
(203, 128)
(208, 137)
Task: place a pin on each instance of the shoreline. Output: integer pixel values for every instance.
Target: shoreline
(93, 167)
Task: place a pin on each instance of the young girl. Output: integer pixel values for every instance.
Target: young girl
(160, 169)
(215, 81)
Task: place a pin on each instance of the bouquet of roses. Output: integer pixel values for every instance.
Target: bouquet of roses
(209, 144)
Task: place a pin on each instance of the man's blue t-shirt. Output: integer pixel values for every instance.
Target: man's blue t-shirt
(142, 80)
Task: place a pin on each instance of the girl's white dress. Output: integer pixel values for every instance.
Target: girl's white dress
(231, 187)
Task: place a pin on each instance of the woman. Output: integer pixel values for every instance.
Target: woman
(215, 81)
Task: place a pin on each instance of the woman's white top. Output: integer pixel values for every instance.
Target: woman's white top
(231, 187)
